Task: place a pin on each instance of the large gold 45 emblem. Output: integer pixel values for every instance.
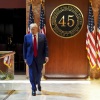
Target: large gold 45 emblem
(70, 22)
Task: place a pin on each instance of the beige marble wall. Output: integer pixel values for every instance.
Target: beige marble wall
(95, 73)
(36, 4)
(96, 7)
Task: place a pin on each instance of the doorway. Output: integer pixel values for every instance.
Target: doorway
(12, 31)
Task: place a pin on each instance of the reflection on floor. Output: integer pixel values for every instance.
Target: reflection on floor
(51, 90)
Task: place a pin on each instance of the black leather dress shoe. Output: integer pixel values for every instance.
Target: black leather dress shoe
(39, 88)
(33, 93)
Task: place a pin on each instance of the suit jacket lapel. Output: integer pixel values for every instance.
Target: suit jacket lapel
(31, 39)
(39, 39)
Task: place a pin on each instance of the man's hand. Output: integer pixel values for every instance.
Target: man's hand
(46, 59)
(25, 61)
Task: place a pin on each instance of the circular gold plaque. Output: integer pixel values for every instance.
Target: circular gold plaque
(66, 20)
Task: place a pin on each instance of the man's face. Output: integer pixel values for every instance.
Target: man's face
(34, 30)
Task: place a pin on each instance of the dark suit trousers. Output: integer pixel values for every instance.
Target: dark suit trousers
(35, 73)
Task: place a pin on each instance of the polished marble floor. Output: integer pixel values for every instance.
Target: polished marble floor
(51, 90)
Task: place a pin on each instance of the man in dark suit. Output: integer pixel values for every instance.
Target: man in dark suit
(35, 52)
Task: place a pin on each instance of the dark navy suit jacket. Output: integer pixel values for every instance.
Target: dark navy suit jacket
(28, 49)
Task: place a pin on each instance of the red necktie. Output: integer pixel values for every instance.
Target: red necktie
(35, 46)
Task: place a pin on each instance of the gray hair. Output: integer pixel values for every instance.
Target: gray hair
(33, 25)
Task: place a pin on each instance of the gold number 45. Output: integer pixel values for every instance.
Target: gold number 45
(64, 23)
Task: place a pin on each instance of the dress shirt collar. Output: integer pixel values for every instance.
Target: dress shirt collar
(35, 34)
